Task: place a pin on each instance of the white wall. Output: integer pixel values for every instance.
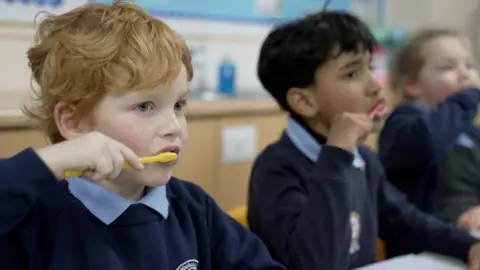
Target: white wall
(415, 14)
(240, 41)
(463, 15)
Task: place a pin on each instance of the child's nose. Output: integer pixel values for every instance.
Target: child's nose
(465, 75)
(172, 128)
(374, 89)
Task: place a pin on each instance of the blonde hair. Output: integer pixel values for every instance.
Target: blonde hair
(409, 60)
(81, 55)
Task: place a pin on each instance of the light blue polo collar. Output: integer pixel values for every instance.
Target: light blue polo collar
(108, 206)
(309, 146)
(465, 141)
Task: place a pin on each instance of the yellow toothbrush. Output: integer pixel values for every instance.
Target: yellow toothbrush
(162, 158)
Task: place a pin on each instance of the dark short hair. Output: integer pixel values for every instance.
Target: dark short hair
(293, 51)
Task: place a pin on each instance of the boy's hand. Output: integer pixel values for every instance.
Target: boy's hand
(99, 156)
(470, 219)
(348, 130)
(474, 257)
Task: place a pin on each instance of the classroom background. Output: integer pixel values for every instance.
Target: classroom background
(231, 118)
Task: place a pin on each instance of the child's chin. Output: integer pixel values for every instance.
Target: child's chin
(155, 179)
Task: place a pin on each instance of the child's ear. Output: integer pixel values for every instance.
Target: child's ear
(67, 120)
(302, 101)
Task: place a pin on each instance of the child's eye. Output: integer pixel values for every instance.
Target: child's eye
(145, 106)
(446, 67)
(351, 75)
(180, 105)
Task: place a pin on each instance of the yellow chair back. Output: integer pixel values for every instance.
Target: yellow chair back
(240, 215)
(381, 253)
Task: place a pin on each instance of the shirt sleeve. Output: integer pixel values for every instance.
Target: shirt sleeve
(23, 178)
(415, 135)
(406, 229)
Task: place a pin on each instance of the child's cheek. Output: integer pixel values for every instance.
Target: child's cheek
(129, 138)
(134, 141)
(443, 89)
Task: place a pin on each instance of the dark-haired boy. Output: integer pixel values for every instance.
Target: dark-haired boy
(317, 197)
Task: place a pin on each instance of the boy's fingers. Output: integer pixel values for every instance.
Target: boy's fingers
(89, 175)
(131, 158)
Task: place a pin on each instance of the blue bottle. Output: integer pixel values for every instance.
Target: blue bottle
(56, 3)
(226, 83)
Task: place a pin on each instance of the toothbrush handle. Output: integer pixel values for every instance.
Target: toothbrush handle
(164, 157)
(71, 173)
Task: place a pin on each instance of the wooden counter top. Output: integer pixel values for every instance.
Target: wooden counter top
(12, 117)
(197, 109)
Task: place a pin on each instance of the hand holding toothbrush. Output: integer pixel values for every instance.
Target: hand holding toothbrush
(94, 156)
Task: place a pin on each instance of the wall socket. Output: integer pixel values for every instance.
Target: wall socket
(239, 143)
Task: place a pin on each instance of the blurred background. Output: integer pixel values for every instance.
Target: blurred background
(230, 116)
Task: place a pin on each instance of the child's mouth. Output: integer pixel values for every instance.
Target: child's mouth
(377, 112)
(172, 148)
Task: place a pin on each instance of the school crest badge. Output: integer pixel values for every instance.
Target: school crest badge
(356, 230)
(188, 265)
